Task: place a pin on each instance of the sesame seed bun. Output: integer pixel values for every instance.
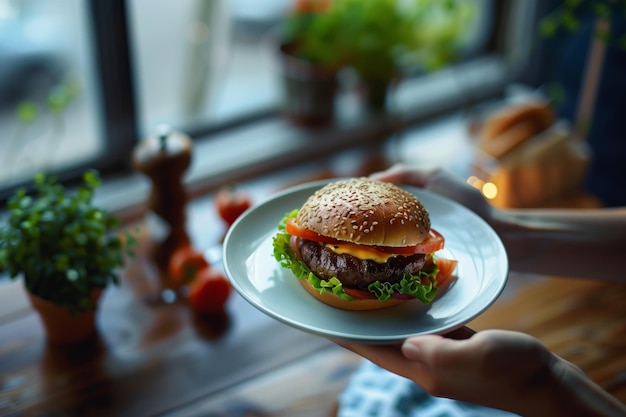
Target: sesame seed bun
(367, 212)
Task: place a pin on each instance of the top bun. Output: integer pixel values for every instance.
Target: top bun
(367, 212)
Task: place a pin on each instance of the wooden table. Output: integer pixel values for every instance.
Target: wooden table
(150, 357)
(157, 358)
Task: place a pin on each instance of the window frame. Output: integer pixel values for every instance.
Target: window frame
(112, 54)
(119, 114)
(117, 110)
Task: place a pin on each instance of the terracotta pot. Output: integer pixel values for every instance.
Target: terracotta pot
(60, 325)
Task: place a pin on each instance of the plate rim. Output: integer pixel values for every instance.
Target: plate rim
(333, 334)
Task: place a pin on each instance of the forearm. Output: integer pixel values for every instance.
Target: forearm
(569, 243)
(568, 392)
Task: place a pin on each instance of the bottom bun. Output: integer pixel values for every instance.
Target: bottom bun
(354, 305)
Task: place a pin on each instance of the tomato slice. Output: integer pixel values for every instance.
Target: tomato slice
(434, 242)
(358, 294)
(446, 271)
(295, 230)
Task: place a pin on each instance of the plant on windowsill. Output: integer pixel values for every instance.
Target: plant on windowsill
(380, 39)
(310, 62)
(571, 22)
(568, 15)
(66, 250)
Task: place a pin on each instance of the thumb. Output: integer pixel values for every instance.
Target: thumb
(404, 174)
(411, 346)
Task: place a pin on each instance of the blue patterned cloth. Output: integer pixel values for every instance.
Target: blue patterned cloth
(375, 392)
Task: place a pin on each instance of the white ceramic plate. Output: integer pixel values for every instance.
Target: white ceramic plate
(255, 274)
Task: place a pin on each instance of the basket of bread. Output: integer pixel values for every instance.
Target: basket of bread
(526, 157)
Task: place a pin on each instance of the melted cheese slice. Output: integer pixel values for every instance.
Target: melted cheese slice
(361, 252)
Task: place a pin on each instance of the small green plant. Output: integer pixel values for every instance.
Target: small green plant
(62, 245)
(40, 123)
(378, 38)
(315, 33)
(566, 18)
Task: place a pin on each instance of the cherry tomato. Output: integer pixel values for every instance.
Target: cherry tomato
(209, 291)
(184, 265)
(358, 294)
(231, 203)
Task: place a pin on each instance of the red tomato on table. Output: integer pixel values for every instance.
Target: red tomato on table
(231, 203)
(209, 291)
(184, 265)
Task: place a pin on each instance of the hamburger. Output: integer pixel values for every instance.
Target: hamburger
(361, 244)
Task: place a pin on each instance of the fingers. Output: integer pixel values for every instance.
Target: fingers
(488, 367)
(394, 357)
(417, 356)
(405, 174)
(437, 180)
(485, 353)
(436, 351)
(412, 351)
(389, 357)
(460, 333)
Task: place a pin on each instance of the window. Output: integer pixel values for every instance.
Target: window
(200, 66)
(48, 101)
(199, 62)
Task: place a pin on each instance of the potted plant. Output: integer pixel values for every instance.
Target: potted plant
(389, 38)
(310, 60)
(66, 250)
(379, 39)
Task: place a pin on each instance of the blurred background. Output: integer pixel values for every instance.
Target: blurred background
(523, 99)
(82, 83)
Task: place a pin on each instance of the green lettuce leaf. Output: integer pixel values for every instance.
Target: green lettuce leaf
(422, 286)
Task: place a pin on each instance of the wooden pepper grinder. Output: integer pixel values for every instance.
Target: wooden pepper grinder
(165, 158)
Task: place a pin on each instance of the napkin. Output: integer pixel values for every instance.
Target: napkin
(376, 392)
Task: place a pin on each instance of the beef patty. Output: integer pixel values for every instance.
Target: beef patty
(352, 271)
